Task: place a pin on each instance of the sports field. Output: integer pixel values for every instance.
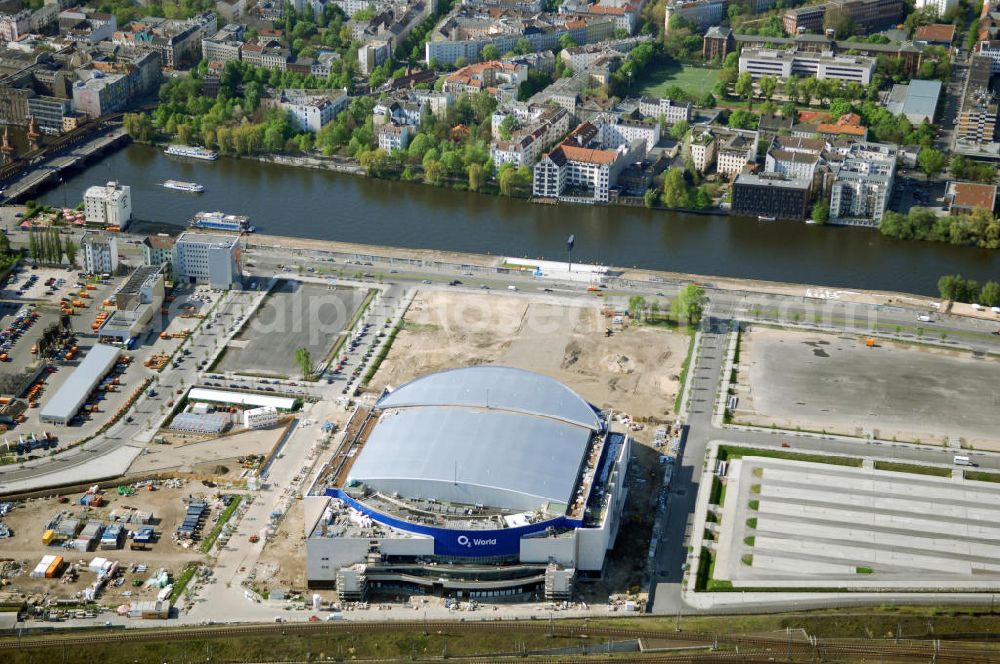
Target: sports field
(693, 80)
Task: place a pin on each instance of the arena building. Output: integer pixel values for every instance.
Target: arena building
(477, 482)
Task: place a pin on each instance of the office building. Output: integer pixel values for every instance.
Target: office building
(964, 197)
(806, 64)
(665, 109)
(209, 258)
(977, 118)
(770, 195)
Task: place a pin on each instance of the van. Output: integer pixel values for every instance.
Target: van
(512, 287)
(924, 318)
(963, 460)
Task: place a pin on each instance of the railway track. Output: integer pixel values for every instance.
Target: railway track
(724, 648)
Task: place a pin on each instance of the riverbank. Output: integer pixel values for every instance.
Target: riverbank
(379, 258)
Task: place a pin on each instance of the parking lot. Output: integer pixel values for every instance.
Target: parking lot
(911, 192)
(825, 382)
(790, 524)
(295, 315)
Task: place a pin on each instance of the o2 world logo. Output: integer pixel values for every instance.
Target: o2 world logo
(475, 541)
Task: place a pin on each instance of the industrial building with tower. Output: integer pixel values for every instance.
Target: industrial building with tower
(485, 481)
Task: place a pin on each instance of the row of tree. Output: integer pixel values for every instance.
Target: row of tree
(979, 228)
(47, 246)
(956, 288)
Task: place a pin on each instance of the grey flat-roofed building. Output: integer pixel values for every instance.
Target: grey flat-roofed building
(496, 388)
(67, 400)
(211, 258)
(770, 195)
(917, 101)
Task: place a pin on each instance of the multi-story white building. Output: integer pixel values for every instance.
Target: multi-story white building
(794, 158)
(939, 6)
(260, 418)
(209, 258)
(702, 148)
(110, 205)
(863, 184)
(373, 54)
(99, 252)
(311, 110)
(806, 64)
(526, 145)
(736, 151)
(393, 136)
(616, 130)
(670, 111)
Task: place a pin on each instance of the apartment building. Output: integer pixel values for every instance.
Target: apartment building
(863, 184)
(667, 110)
(580, 170)
(794, 158)
(209, 258)
(13, 26)
(702, 147)
(526, 145)
(467, 29)
(99, 252)
(310, 110)
(736, 149)
(109, 205)
(159, 249)
(617, 130)
(226, 45)
(501, 79)
(806, 64)
(394, 136)
(372, 55)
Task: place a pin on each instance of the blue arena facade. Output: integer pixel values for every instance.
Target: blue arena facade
(482, 465)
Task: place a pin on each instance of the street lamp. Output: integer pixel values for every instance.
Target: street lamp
(569, 250)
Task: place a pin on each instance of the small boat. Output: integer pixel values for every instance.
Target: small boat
(761, 217)
(191, 187)
(220, 221)
(191, 151)
(811, 222)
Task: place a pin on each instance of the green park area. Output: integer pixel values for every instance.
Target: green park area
(660, 76)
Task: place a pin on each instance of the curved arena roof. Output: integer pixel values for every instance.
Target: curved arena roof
(441, 437)
(499, 388)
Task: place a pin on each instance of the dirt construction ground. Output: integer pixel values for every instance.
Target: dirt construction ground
(635, 371)
(826, 382)
(27, 521)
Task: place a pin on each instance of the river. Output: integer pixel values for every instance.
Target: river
(284, 200)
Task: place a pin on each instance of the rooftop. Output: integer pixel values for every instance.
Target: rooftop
(936, 32)
(484, 436)
(226, 240)
(771, 180)
(972, 195)
(64, 403)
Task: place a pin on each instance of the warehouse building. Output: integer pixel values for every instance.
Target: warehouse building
(482, 482)
(65, 403)
(241, 399)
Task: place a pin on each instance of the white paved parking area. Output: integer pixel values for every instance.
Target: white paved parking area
(792, 524)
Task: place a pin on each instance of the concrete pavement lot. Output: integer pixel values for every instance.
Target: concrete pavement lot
(827, 382)
(295, 315)
(821, 525)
